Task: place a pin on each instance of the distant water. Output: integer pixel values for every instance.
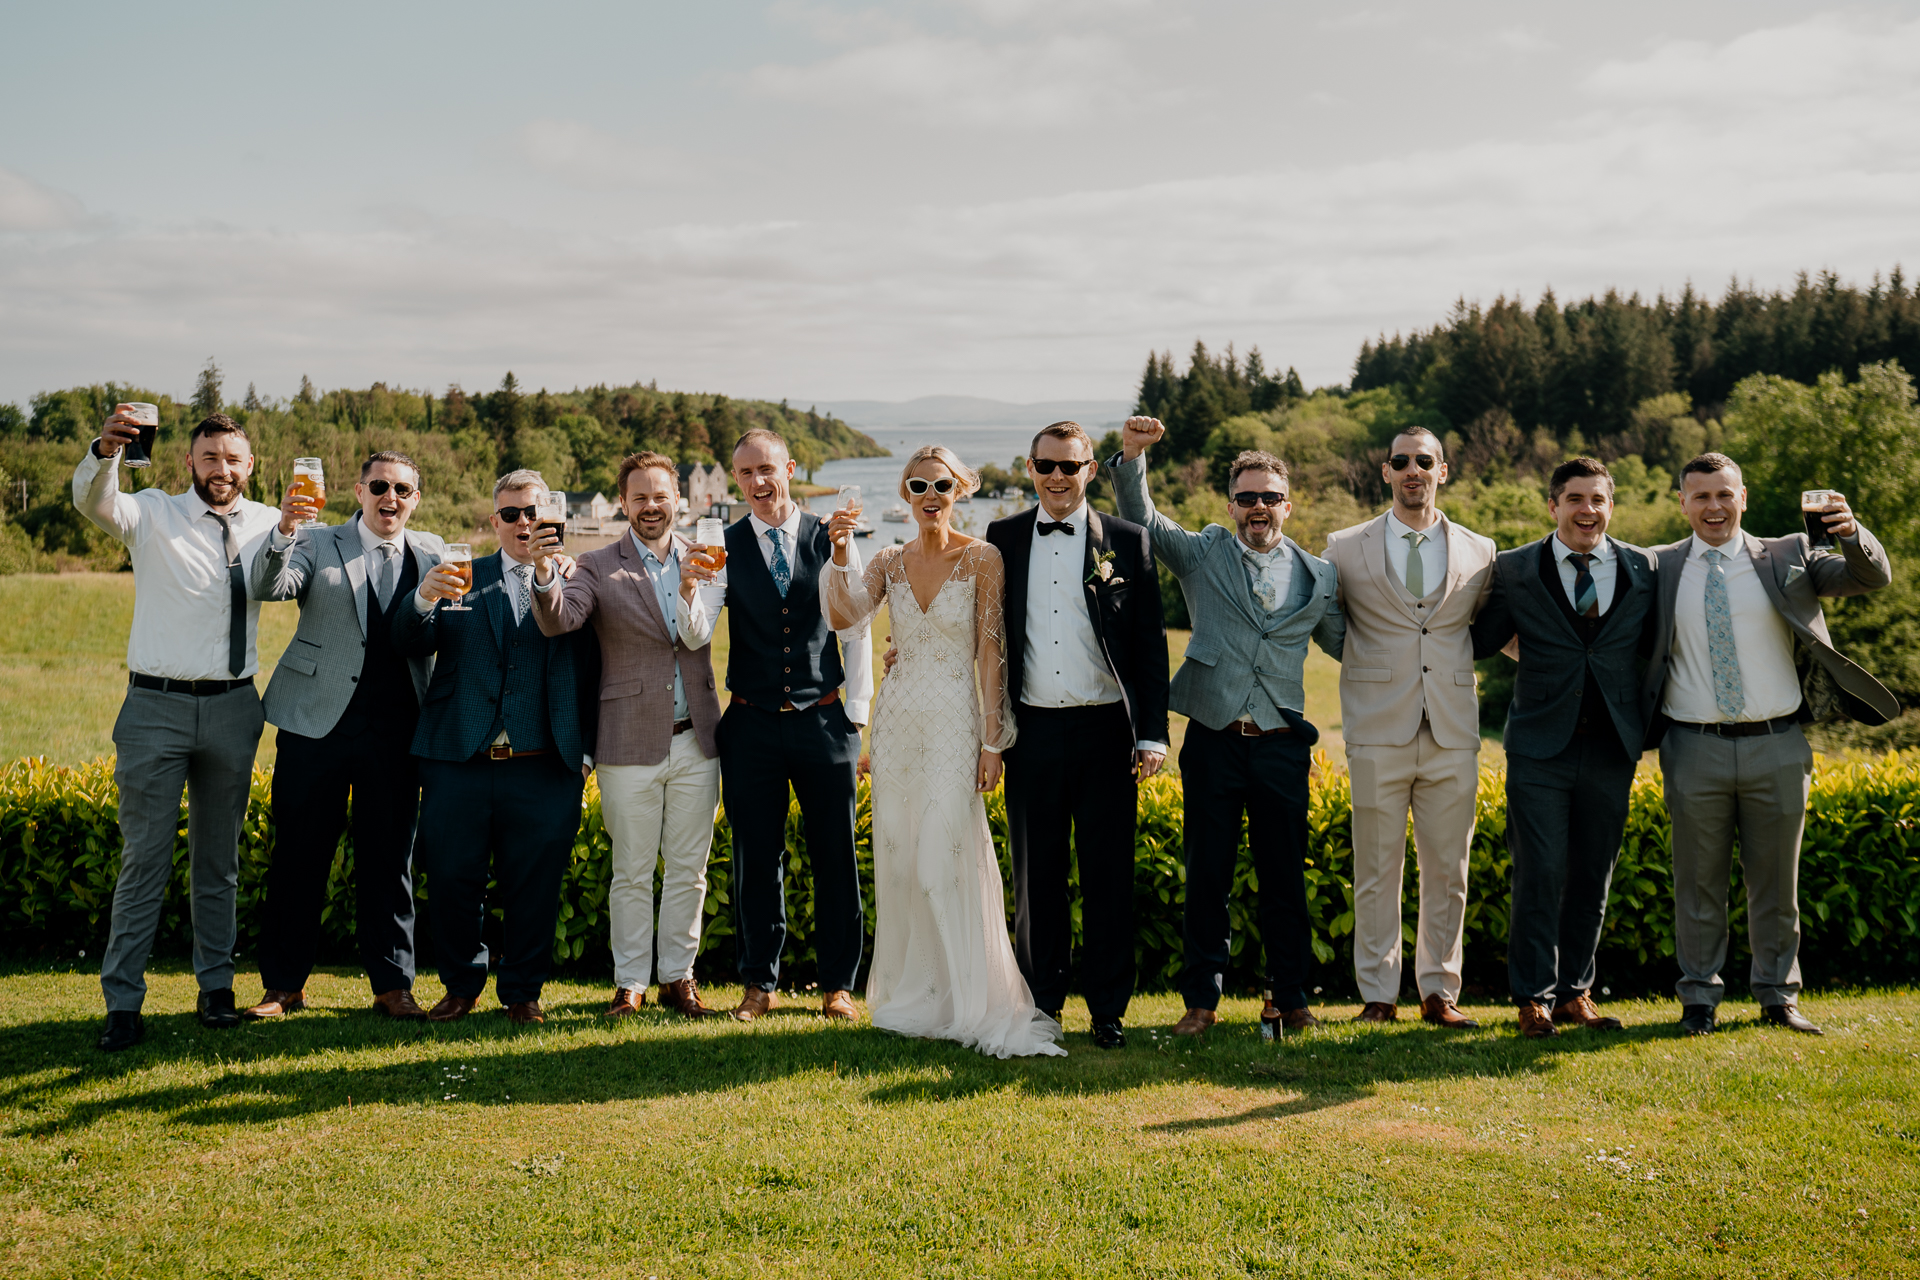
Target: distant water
(879, 478)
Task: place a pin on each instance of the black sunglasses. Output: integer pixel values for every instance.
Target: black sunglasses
(1249, 498)
(1424, 461)
(917, 486)
(513, 515)
(401, 489)
(1068, 467)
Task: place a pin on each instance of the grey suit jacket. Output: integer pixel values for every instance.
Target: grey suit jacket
(1233, 648)
(326, 571)
(1795, 576)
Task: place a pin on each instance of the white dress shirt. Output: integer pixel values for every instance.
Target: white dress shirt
(1433, 552)
(665, 576)
(696, 620)
(1602, 567)
(182, 598)
(1762, 642)
(1064, 665)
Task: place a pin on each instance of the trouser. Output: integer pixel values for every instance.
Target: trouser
(1071, 795)
(312, 780)
(514, 820)
(659, 813)
(164, 742)
(1755, 788)
(1565, 817)
(1224, 775)
(816, 752)
(1439, 785)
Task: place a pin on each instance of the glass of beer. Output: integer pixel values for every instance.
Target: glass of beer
(310, 479)
(1814, 506)
(139, 452)
(710, 542)
(551, 513)
(460, 560)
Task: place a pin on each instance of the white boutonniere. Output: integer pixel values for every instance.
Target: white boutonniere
(1102, 568)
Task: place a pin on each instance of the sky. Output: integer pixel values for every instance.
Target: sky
(1007, 198)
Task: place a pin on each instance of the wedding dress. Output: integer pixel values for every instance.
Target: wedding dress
(942, 965)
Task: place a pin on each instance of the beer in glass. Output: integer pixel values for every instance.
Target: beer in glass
(310, 480)
(139, 452)
(460, 560)
(1814, 506)
(551, 513)
(710, 542)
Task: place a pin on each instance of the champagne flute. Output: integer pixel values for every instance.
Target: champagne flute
(310, 478)
(459, 558)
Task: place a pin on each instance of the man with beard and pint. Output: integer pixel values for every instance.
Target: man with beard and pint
(1579, 604)
(192, 717)
(658, 763)
(1086, 650)
(346, 703)
(503, 744)
(1741, 659)
(1411, 582)
(799, 692)
(1255, 598)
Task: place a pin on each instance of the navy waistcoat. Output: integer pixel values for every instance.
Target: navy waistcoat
(781, 649)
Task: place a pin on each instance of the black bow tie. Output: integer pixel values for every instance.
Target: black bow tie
(1049, 526)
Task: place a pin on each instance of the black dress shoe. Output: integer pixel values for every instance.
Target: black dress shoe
(1696, 1019)
(215, 1009)
(1108, 1035)
(124, 1030)
(1785, 1015)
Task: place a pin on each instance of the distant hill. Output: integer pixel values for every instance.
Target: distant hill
(972, 411)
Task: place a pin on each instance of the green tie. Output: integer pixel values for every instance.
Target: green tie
(1416, 571)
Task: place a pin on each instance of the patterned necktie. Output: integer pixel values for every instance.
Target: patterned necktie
(1728, 693)
(1416, 571)
(383, 586)
(1265, 589)
(782, 571)
(236, 599)
(1586, 596)
(521, 599)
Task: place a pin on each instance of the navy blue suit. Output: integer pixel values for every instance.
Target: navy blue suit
(513, 818)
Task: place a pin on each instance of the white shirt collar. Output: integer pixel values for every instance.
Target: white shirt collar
(369, 539)
(1077, 517)
(1731, 548)
(1398, 528)
(791, 526)
(1561, 550)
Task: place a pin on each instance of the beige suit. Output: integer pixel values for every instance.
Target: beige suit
(1411, 722)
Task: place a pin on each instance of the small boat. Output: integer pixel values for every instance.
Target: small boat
(863, 531)
(898, 514)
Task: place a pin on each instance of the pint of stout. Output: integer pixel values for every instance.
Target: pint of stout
(1814, 506)
(460, 561)
(310, 480)
(139, 452)
(552, 514)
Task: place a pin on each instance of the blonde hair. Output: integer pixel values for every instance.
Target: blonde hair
(969, 478)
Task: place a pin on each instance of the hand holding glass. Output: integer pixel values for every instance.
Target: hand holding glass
(1815, 504)
(138, 452)
(310, 478)
(710, 542)
(459, 560)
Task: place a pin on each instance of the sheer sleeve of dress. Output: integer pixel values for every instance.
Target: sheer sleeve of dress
(850, 596)
(997, 729)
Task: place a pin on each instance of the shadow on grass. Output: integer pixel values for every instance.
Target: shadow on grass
(53, 1078)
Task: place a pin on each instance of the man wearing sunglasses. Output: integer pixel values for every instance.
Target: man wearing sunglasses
(346, 703)
(1255, 598)
(1411, 583)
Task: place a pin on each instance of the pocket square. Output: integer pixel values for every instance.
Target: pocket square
(1795, 573)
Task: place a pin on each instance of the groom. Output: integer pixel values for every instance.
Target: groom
(1087, 657)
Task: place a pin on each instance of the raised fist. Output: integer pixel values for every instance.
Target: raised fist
(1140, 432)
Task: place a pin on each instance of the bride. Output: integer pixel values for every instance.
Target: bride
(942, 966)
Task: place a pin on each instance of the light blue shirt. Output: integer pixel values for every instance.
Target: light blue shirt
(665, 576)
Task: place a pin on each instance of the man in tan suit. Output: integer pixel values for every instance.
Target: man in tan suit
(655, 753)
(1410, 582)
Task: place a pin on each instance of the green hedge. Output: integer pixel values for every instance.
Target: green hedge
(1859, 881)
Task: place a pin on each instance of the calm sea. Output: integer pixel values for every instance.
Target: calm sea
(879, 478)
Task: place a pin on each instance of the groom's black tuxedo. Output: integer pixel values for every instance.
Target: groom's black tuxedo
(1070, 770)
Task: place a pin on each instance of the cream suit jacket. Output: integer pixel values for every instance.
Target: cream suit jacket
(1395, 651)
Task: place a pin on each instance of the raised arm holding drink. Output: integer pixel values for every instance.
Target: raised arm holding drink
(309, 478)
(1814, 506)
(139, 452)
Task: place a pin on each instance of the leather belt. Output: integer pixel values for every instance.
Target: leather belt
(198, 688)
(1740, 728)
(826, 699)
(498, 752)
(681, 726)
(1248, 729)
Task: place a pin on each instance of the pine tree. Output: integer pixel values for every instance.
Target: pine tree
(307, 395)
(206, 391)
(252, 403)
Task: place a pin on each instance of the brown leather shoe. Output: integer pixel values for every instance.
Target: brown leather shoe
(755, 1003)
(683, 997)
(838, 1006)
(1442, 1012)
(1581, 1010)
(452, 1008)
(1300, 1019)
(399, 1003)
(525, 1013)
(1378, 1011)
(276, 1004)
(627, 1001)
(1195, 1022)
(1536, 1023)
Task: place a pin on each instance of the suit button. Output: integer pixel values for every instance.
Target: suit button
(783, 611)
(784, 630)
(1578, 692)
(788, 650)
(788, 670)
(355, 679)
(786, 688)
(1425, 669)
(1423, 631)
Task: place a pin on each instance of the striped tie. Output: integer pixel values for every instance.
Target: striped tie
(1586, 596)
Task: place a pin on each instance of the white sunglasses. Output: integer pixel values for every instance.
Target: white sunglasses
(918, 486)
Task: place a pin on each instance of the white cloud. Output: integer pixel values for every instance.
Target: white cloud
(592, 159)
(25, 205)
(1824, 58)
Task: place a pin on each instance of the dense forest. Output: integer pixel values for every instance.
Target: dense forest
(1806, 389)
(462, 442)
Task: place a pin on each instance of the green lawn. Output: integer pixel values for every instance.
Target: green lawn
(341, 1145)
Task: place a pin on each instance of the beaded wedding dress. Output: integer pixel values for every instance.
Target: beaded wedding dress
(942, 965)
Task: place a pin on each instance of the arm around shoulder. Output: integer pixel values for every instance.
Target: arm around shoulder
(1493, 627)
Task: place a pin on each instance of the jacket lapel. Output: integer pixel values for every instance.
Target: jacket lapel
(353, 558)
(1017, 560)
(1096, 546)
(499, 612)
(1769, 567)
(1455, 562)
(1545, 583)
(1230, 568)
(1373, 553)
(635, 566)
